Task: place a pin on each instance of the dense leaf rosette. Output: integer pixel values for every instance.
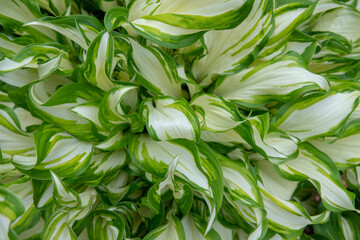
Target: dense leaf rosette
(179, 119)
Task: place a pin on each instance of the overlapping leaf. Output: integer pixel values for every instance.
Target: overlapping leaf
(175, 119)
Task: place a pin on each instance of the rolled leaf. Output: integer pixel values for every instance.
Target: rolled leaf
(167, 119)
(320, 114)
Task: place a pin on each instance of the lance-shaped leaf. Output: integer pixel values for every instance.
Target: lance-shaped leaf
(57, 7)
(23, 11)
(8, 47)
(121, 186)
(15, 13)
(58, 228)
(288, 16)
(201, 171)
(106, 225)
(174, 24)
(24, 76)
(214, 113)
(43, 193)
(23, 190)
(48, 67)
(45, 57)
(344, 149)
(103, 167)
(195, 226)
(13, 140)
(106, 5)
(267, 140)
(56, 109)
(33, 232)
(99, 64)
(8, 65)
(343, 21)
(212, 168)
(239, 183)
(116, 105)
(59, 225)
(8, 172)
(172, 230)
(60, 153)
(317, 114)
(183, 195)
(11, 207)
(155, 70)
(340, 226)
(279, 80)
(230, 137)
(287, 217)
(90, 112)
(63, 196)
(255, 221)
(115, 17)
(303, 44)
(274, 183)
(167, 118)
(321, 171)
(155, 156)
(79, 28)
(115, 141)
(239, 46)
(192, 228)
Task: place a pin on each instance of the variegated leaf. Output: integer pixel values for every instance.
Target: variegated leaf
(155, 70)
(319, 114)
(288, 218)
(99, 62)
(56, 109)
(173, 229)
(13, 139)
(11, 207)
(288, 15)
(321, 171)
(50, 143)
(174, 24)
(239, 46)
(103, 167)
(167, 118)
(214, 113)
(79, 28)
(106, 225)
(22, 188)
(199, 167)
(116, 105)
(342, 150)
(239, 183)
(279, 80)
(342, 20)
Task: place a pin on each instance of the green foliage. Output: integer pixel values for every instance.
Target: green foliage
(179, 119)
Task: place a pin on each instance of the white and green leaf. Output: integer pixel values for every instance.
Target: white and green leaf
(239, 47)
(279, 80)
(50, 143)
(167, 119)
(155, 70)
(319, 114)
(321, 171)
(214, 113)
(173, 24)
(99, 63)
(56, 109)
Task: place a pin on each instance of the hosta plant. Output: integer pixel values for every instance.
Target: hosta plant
(179, 119)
